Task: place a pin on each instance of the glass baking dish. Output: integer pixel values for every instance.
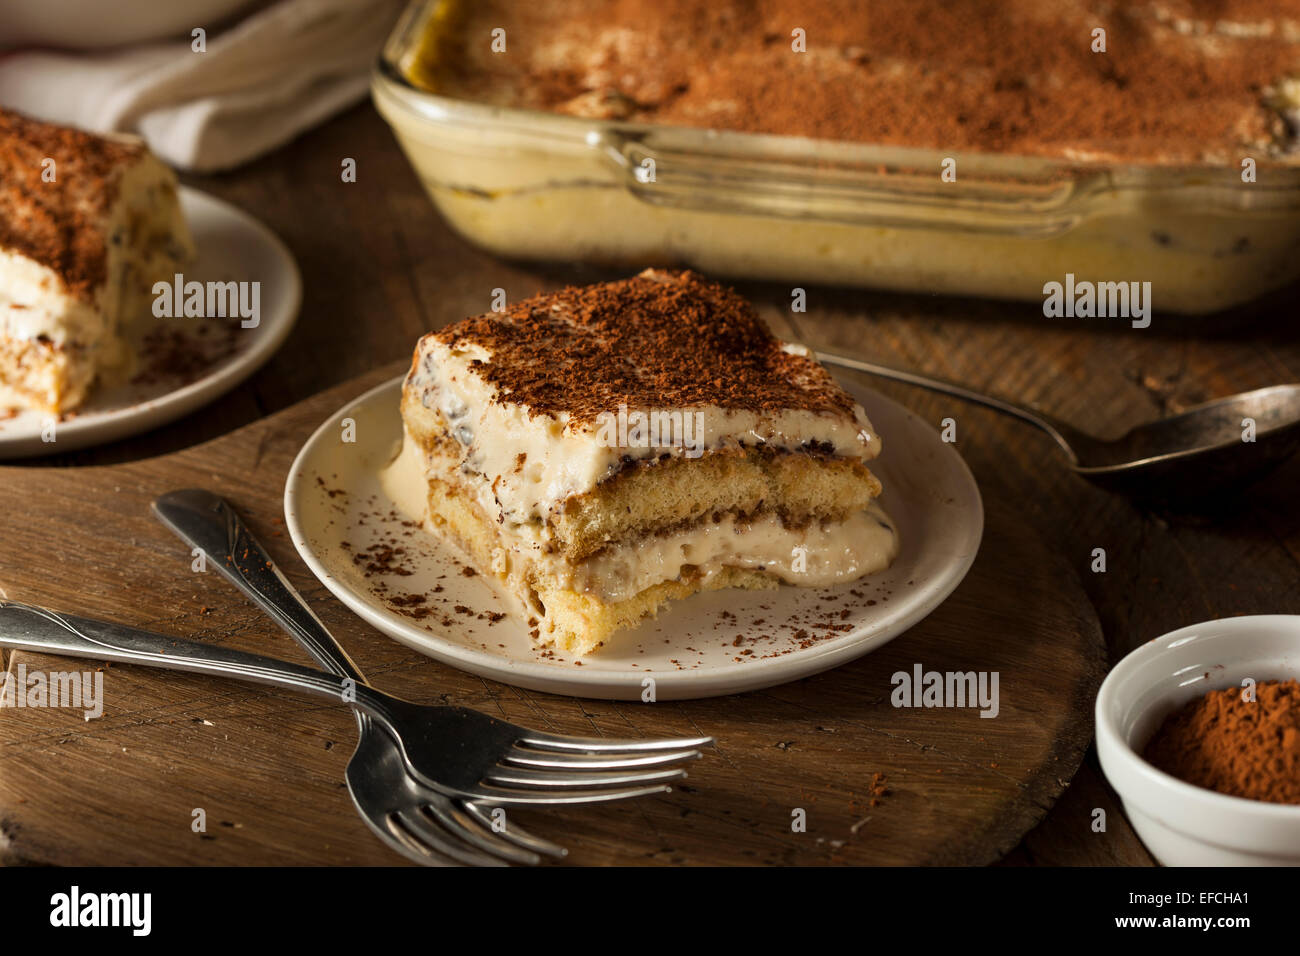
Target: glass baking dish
(533, 185)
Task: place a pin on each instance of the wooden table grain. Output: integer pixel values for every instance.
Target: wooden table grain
(380, 268)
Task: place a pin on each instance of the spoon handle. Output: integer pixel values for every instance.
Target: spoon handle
(1068, 438)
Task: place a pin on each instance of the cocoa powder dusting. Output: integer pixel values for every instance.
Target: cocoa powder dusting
(1179, 80)
(59, 224)
(186, 354)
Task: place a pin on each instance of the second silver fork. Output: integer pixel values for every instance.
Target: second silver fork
(416, 820)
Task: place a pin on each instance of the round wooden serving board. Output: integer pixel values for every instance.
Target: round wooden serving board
(876, 784)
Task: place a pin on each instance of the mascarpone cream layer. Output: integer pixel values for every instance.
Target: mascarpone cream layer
(34, 302)
(820, 554)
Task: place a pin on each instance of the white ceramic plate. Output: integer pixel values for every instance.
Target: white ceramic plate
(341, 520)
(231, 245)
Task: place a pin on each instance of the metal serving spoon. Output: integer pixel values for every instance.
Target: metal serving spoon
(1190, 454)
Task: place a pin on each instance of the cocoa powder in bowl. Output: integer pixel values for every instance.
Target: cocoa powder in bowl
(1228, 742)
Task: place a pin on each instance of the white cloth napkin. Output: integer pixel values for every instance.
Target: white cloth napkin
(260, 83)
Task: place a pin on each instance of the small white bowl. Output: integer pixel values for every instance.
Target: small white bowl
(1182, 824)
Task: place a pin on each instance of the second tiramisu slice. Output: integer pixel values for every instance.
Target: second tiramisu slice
(603, 450)
(87, 225)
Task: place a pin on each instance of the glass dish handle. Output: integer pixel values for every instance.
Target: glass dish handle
(809, 187)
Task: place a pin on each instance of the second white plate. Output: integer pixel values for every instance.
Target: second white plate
(418, 590)
(232, 245)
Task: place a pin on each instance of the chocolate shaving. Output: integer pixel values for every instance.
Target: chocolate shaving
(658, 340)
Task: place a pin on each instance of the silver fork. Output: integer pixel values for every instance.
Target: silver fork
(455, 751)
(396, 805)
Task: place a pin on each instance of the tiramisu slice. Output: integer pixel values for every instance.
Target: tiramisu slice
(87, 225)
(602, 450)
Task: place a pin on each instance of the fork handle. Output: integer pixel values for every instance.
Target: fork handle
(32, 628)
(209, 523)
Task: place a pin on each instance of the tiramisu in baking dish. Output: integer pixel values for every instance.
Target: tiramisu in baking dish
(1169, 81)
(87, 225)
(604, 450)
(982, 147)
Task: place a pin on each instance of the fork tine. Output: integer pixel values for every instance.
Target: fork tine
(544, 741)
(552, 778)
(515, 833)
(568, 760)
(523, 798)
(486, 839)
(558, 779)
(396, 837)
(416, 826)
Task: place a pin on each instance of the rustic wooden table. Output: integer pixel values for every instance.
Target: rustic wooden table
(380, 268)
